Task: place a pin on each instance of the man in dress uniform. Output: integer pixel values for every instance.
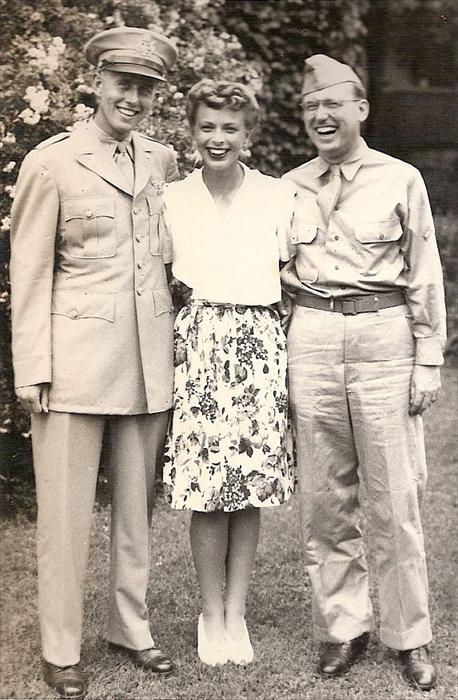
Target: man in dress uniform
(364, 345)
(92, 346)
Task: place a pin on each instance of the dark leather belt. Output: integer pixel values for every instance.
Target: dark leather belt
(361, 304)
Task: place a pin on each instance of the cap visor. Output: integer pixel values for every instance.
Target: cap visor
(135, 69)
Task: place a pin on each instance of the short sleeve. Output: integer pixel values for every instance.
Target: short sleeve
(177, 243)
(287, 197)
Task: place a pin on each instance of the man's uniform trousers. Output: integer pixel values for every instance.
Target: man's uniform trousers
(66, 452)
(350, 387)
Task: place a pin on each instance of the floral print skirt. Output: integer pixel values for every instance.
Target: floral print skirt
(229, 445)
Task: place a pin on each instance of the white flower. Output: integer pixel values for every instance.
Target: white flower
(9, 138)
(10, 190)
(38, 98)
(5, 224)
(82, 112)
(28, 116)
(9, 166)
(47, 60)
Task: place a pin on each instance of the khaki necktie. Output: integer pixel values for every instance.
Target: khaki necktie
(125, 164)
(329, 194)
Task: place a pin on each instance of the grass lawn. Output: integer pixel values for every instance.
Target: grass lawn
(278, 612)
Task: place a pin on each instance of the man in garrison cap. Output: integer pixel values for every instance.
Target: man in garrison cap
(92, 346)
(364, 346)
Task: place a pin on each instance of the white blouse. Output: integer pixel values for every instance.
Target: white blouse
(231, 257)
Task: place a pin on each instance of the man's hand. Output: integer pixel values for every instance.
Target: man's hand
(33, 398)
(285, 310)
(424, 388)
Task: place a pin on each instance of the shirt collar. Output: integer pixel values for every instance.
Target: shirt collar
(109, 141)
(350, 166)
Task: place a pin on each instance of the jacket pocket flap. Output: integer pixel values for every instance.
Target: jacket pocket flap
(162, 301)
(378, 231)
(154, 204)
(77, 305)
(88, 208)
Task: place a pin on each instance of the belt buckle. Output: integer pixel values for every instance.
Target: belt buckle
(349, 307)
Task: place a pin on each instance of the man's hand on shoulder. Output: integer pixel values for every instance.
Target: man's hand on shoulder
(424, 388)
(33, 398)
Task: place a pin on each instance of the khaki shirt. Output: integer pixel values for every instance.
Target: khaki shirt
(91, 309)
(380, 237)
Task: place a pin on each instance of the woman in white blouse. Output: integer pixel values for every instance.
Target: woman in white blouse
(228, 451)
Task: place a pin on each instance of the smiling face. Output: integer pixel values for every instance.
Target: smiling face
(220, 135)
(333, 118)
(124, 99)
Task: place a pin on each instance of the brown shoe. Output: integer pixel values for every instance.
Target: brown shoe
(149, 659)
(419, 670)
(67, 680)
(337, 658)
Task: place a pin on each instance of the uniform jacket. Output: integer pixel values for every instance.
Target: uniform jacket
(91, 309)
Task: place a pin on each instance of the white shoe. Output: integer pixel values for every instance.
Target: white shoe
(240, 651)
(210, 654)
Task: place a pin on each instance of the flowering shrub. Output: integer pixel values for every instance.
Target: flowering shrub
(52, 90)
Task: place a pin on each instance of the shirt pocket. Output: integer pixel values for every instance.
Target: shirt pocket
(83, 305)
(156, 224)
(302, 232)
(379, 249)
(89, 229)
(378, 232)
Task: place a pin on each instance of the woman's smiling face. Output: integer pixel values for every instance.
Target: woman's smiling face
(220, 135)
(124, 99)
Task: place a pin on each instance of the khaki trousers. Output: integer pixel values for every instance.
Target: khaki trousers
(66, 452)
(349, 389)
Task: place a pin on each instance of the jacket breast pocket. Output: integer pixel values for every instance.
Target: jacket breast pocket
(89, 229)
(156, 225)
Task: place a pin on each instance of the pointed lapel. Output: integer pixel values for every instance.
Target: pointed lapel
(91, 153)
(143, 164)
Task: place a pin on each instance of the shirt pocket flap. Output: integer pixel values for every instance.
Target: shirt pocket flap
(88, 208)
(303, 233)
(378, 231)
(77, 305)
(162, 301)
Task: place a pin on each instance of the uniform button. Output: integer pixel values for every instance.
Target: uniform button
(74, 313)
(88, 213)
(336, 267)
(336, 238)
(135, 210)
(336, 207)
(140, 265)
(139, 291)
(138, 237)
(382, 236)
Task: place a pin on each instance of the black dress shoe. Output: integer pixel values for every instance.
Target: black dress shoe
(337, 658)
(67, 680)
(150, 659)
(419, 670)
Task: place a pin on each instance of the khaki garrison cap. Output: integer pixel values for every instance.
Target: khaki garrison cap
(132, 50)
(323, 71)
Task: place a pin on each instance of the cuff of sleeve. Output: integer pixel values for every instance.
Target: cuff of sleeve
(429, 351)
(34, 370)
